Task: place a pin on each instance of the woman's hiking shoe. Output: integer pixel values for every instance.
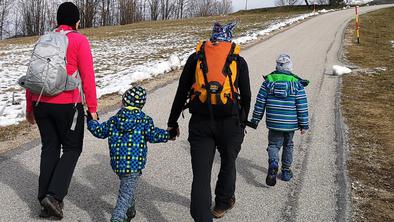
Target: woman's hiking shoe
(219, 213)
(271, 176)
(131, 213)
(287, 174)
(53, 206)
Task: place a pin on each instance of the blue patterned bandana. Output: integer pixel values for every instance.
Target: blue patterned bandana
(134, 97)
(223, 33)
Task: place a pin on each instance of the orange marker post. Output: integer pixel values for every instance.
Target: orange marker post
(357, 25)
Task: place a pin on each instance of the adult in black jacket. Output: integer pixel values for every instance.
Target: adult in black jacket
(210, 132)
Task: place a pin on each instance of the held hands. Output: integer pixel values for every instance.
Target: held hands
(303, 131)
(91, 116)
(174, 132)
(251, 124)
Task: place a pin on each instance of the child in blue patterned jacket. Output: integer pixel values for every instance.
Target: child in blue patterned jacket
(128, 133)
(282, 94)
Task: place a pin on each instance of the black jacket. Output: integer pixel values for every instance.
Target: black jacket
(187, 79)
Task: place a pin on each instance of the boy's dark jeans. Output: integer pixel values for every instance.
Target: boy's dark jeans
(277, 139)
(205, 136)
(58, 134)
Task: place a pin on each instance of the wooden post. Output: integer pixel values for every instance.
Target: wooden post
(357, 25)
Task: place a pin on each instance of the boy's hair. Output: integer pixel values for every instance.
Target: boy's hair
(134, 97)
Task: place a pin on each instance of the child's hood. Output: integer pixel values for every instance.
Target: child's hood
(282, 84)
(127, 119)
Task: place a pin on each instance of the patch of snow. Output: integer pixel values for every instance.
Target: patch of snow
(340, 70)
(273, 27)
(326, 11)
(381, 69)
(358, 2)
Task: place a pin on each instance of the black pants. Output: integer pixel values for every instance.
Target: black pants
(58, 133)
(205, 136)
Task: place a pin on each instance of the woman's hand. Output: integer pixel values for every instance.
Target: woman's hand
(30, 118)
(94, 116)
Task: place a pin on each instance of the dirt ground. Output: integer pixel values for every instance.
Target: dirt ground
(368, 105)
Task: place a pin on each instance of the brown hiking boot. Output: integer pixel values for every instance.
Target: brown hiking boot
(219, 213)
(53, 206)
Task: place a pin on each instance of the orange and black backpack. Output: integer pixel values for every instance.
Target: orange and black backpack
(214, 90)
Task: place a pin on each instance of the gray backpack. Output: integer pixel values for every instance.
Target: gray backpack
(46, 74)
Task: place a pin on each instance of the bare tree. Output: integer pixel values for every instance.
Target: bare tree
(33, 16)
(154, 9)
(129, 11)
(180, 8)
(223, 7)
(287, 2)
(88, 11)
(4, 10)
(167, 8)
(106, 18)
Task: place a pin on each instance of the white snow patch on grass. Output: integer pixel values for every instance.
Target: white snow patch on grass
(340, 70)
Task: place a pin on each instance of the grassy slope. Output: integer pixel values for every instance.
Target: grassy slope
(368, 104)
(251, 19)
(200, 27)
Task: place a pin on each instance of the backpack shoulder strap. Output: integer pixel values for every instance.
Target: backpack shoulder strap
(230, 58)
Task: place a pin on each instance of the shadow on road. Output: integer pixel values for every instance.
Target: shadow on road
(23, 182)
(101, 182)
(245, 167)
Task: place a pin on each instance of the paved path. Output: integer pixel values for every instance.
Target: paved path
(163, 193)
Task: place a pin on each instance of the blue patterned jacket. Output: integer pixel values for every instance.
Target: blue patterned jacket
(128, 133)
(283, 97)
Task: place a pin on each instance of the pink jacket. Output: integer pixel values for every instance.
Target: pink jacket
(79, 57)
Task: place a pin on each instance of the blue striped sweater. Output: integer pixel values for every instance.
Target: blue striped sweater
(285, 101)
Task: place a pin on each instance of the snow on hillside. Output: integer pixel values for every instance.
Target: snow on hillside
(118, 63)
(358, 2)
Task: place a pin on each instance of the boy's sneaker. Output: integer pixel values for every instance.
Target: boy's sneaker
(53, 206)
(131, 213)
(219, 213)
(271, 176)
(287, 174)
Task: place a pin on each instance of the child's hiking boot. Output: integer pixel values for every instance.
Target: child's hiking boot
(53, 206)
(219, 213)
(131, 213)
(286, 174)
(272, 171)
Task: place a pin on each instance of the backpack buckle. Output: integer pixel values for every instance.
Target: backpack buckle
(214, 87)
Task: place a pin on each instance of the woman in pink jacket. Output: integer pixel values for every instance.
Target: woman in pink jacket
(54, 116)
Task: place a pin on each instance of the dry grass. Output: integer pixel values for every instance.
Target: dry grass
(200, 26)
(368, 104)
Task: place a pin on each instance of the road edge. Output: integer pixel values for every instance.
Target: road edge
(344, 204)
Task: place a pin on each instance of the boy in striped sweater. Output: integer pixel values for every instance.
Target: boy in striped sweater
(283, 97)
